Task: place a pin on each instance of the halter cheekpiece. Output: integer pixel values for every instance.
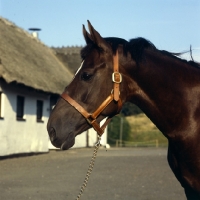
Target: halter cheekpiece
(114, 96)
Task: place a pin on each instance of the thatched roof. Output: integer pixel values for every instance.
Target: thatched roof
(25, 60)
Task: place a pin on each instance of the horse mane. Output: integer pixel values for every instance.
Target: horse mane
(176, 56)
(136, 48)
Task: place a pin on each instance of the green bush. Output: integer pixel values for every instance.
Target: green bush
(129, 109)
(114, 129)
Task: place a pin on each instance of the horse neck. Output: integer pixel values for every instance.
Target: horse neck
(161, 85)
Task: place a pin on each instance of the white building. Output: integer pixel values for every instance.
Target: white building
(24, 114)
(31, 80)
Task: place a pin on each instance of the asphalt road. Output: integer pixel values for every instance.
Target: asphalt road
(119, 174)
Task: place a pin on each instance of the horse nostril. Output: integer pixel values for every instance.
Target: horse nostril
(52, 134)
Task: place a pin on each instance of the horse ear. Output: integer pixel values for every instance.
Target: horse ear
(96, 37)
(87, 36)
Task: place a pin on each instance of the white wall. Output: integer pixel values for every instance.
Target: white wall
(22, 136)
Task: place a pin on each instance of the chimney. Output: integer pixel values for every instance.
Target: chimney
(35, 32)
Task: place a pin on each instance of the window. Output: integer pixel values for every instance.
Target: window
(20, 108)
(39, 110)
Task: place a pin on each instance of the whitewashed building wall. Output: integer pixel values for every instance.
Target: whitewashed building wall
(92, 139)
(22, 136)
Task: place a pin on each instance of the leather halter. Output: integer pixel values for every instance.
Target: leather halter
(114, 96)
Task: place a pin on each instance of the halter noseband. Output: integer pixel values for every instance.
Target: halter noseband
(114, 96)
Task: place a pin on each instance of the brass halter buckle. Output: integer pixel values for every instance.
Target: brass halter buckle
(116, 77)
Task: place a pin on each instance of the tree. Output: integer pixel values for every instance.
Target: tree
(129, 109)
(114, 129)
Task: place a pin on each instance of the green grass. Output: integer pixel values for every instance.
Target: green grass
(143, 130)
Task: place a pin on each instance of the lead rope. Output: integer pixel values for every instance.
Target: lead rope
(90, 168)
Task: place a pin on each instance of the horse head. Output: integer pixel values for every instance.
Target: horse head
(92, 84)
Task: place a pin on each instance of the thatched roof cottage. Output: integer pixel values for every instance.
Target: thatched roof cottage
(31, 78)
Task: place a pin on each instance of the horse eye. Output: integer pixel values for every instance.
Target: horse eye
(85, 76)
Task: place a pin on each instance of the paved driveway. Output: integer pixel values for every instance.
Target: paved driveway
(119, 174)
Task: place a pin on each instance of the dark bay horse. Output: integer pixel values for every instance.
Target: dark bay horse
(164, 86)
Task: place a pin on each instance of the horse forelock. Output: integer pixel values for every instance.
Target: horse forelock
(112, 41)
(85, 51)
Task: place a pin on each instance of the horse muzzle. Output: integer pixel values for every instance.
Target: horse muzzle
(62, 143)
(53, 138)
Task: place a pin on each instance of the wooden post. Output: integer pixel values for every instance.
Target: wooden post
(121, 130)
(87, 138)
(157, 143)
(117, 143)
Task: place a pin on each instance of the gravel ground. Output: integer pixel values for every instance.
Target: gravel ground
(121, 174)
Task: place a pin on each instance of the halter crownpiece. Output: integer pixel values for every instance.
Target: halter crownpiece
(116, 77)
(114, 96)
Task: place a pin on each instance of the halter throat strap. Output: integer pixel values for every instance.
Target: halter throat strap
(114, 96)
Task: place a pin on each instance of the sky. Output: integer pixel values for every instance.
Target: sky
(171, 25)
